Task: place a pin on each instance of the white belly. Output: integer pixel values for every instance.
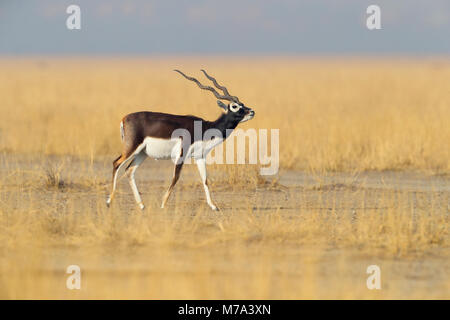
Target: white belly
(162, 148)
(171, 148)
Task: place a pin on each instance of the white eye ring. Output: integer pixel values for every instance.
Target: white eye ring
(234, 107)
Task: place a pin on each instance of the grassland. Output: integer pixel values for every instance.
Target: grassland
(364, 155)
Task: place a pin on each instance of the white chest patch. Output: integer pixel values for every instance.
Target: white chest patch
(200, 149)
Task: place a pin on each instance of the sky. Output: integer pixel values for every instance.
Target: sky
(225, 27)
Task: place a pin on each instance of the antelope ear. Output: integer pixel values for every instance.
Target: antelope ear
(222, 105)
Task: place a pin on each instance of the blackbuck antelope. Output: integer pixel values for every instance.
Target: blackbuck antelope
(150, 134)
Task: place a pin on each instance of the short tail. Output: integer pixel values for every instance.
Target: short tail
(122, 132)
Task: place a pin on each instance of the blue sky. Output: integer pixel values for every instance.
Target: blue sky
(144, 27)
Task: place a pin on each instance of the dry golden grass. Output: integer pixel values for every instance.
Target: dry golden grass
(332, 115)
(244, 252)
(59, 134)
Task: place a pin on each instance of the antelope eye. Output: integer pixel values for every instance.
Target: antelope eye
(234, 107)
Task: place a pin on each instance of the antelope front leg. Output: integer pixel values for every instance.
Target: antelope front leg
(201, 165)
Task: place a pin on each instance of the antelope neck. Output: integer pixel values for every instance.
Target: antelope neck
(222, 123)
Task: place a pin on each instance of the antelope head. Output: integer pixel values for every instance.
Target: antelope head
(235, 110)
